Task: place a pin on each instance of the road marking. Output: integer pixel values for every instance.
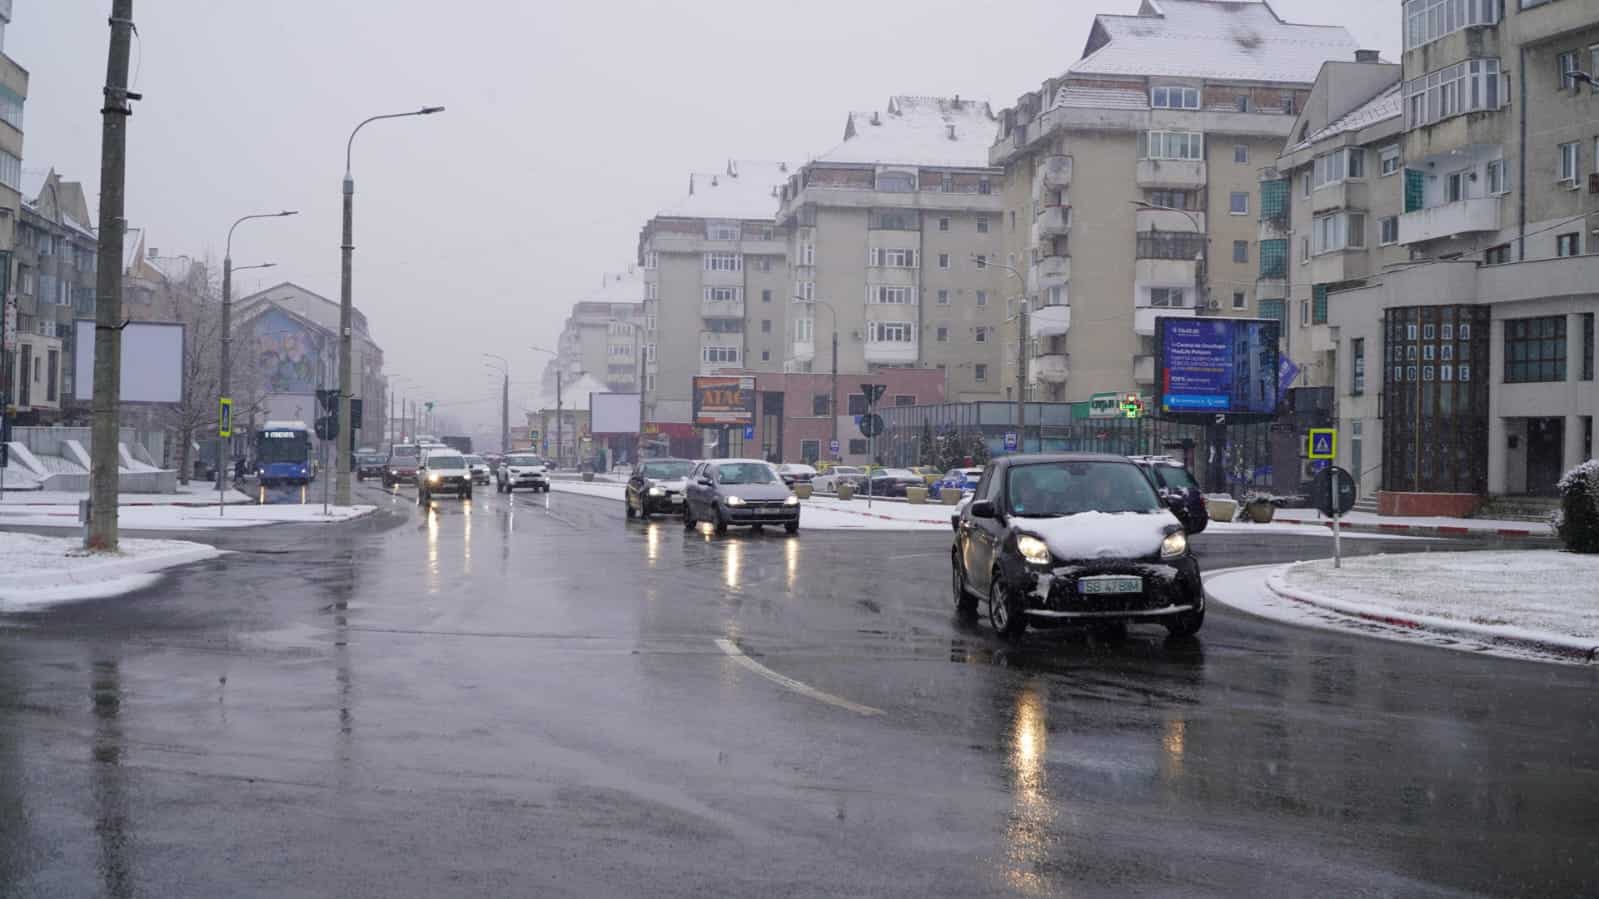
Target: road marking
(731, 648)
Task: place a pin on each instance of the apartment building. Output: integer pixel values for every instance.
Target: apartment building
(896, 241)
(13, 97)
(55, 261)
(603, 337)
(1469, 370)
(1135, 175)
(716, 284)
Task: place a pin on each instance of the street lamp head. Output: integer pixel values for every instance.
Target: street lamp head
(288, 212)
(429, 110)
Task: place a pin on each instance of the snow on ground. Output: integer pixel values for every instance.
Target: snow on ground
(1548, 591)
(40, 571)
(1369, 519)
(180, 518)
(1297, 530)
(194, 493)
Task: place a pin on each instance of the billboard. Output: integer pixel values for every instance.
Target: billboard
(152, 362)
(613, 413)
(724, 400)
(1217, 365)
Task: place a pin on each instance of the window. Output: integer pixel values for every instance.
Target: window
(904, 399)
(25, 280)
(1496, 255)
(820, 405)
(980, 372)
(1273, 310)
(1357, 162)
(946, 182)
(943, 224)
(1164, 97)
(724, 262)
(1239, 300)
(891, 296)
(721, 294)
(11, 110)
(721, 230)
(857, 446)
(1340, 231)
(896, 182)
(1335, 167)
(1184, 245)
(1568, 163)
(651, 260)
(1568, 244)
(10, 171)
(1568, 66)
(1172, 199)
(1241, 251)
(1318, 304)
(890, 332)
(804, 330)
(982, 224)
(1470, 86)
(1167, 297)
(1171, 145)
(984, 186)
(980, 334)
(1496, 178)
(1304, 185)
(1587, 346)
(1454, 187)
(1241, 154)
(805, 290)
(857, 404)
(1535, 349)
(720, 355)
(807, 254)
(942, 334)
(1304, 313)
(1388, 160)
(766, 296)
(1238, 203)
(766, 326)
(652, 290)
(896, 258)
(943, 261)
(1429, 20)
(1274, 258)
(943, 297)
(1288, 104)
(982, 298)
(810, 451)
(1013, 220)
(1388, 230)
(1357, 367)
(981, 260)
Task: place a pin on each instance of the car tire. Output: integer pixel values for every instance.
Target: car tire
(965, 602)
(791, 527)
(718, 523)
(1004, 610)
(643, 508)
(1185, 624)
(466, 494)
(627, 505)
(688, 517)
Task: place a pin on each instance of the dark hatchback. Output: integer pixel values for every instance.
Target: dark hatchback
(1173, 481)
(1076, 538)
(739, 492)
(657, 485)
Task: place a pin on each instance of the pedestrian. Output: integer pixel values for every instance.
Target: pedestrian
(238, 468)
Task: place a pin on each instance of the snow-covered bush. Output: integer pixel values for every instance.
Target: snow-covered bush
(1578, 524)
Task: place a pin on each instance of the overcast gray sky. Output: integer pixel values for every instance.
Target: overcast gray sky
(568, 125)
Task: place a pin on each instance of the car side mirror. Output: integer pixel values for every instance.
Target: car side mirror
(1176, 502)
(703, 482)
(983, 508)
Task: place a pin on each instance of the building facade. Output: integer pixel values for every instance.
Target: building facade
(1153, 141)
(13, 98)
(55, 263)
(604, 336)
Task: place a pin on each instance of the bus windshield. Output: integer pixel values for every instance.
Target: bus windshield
(282, 446)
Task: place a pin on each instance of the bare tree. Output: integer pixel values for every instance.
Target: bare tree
(196, 411)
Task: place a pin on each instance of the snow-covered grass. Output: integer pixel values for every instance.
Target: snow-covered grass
(40, 571)
(180, 518)
(1536, 590)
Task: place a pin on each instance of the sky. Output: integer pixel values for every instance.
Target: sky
(567, 126)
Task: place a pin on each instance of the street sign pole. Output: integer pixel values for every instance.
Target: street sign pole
(1338, 544)
(224, 434)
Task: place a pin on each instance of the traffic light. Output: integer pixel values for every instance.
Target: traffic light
(327, 424)
(1133, 406)
(355, 413)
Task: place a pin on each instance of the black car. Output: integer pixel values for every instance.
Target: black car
(739, 492)
(1172, 480)
(370, 465)
(1073, 538)
(891, 482)
(657, 485)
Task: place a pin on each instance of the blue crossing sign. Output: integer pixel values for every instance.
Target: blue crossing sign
(1010, 441)
(749, 432)
(1323, 443)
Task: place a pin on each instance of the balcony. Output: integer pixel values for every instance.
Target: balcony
(1049, 368)
(1174, 174)
(1168, 220)
(892, 276)
(1048, 272)
(1322, 339)
(1050, 321)
(891, 352)
(721, 308)
(1274, 227)
(1144, 369)
(802, 350)
(1052, 221)
(1271, 288)
(1144, 317)
(1165, 272)
(722, 279)
(1449, 219)
(1054, 173)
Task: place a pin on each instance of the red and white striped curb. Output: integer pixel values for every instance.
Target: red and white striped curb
(1421, 530)
(894, 518)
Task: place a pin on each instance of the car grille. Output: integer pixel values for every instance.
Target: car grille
(763, 504)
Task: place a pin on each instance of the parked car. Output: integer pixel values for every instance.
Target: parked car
(480, 470)
(403, 459)
(1073, 538)
(1173, 481)
(796, 473)
(961, 479)
(657, 485)
(828, 481)
(443, 470)
(370, 464)
(523, 470)
(739, 492)
(892, 482)
(928, 473)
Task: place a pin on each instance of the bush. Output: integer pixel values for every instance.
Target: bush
(1578, 523)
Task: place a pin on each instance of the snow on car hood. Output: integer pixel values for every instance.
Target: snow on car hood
(1101, 535)
(677, 484)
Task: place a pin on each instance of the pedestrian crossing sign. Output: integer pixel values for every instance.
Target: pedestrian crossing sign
(1323, 443)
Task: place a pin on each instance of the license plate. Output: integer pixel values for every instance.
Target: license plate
(1090, 586)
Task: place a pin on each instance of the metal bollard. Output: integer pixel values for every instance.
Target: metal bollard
(85, 512)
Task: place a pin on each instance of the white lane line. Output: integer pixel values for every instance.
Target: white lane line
(731, 648)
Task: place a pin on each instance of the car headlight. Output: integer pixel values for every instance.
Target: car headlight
(1175, 544)
(734, 500)
(792, 500)
(1033, 549)
(433, 478)
(656, 491)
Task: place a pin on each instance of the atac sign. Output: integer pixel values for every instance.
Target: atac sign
(722, 400)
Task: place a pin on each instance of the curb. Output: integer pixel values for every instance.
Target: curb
(115, 568)
(1551, 644)
(1421, 530)
(928, 521)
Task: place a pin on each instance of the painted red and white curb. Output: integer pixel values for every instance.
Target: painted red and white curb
(1420, 530)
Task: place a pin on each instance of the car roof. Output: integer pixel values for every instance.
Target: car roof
(738, 461)
(1047, 458)
(447, 452)
(664, 459)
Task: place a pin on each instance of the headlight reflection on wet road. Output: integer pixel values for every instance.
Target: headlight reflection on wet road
(731, 564)
(1026, 837)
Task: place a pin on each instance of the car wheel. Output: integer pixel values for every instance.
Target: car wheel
(719, 523)
(792, 527)
(965, 602)
(688, 517)
(643, 508)
(628, 504)
(1004, 609)
(467, 493)
(1185, 624)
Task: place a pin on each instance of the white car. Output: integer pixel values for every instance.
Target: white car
(443, 470)
(796, 473)
(523, 470)
(828, 481)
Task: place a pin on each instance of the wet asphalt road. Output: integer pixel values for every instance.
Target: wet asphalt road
(503, 698)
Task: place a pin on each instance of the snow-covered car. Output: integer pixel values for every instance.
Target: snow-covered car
(1077, 538)
(828, 481)
(796, 473)
(961, 479)
(657, 485)
(523, 470)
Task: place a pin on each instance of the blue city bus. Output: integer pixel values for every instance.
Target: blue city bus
(283, 453)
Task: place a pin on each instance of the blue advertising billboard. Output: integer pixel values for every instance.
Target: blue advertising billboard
(1217, 365)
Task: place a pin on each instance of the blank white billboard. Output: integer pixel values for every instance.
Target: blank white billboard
(152, 362)
(613, 413)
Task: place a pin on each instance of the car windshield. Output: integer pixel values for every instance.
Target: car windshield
(897, 473)
(1176, 477)
(844, 469)
(404, 452)
(444, 462)
(669, 471)
(745, 473)
(524, 461)
(1054, 489)
(475, 460)
(369, 459)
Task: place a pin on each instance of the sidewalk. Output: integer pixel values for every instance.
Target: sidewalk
(193, 495)
(1421, 527)
(1524, 603)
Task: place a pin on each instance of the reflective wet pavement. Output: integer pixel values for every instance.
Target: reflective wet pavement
(525, 697)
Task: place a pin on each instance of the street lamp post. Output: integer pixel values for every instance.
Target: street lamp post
(345, 440)
(832, 396)
(1201, 301)
(225, 371)
(504, 368)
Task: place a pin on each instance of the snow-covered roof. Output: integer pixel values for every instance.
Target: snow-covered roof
(618, 287)
(176, 269)
(745, 189)
(1234, 41)
(1384, 106)
(1101, 98)
(921, 131)
(132, 247)
(33, 186)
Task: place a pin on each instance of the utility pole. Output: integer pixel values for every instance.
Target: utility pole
(108, 284)
(505, 415)
(558, 434)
